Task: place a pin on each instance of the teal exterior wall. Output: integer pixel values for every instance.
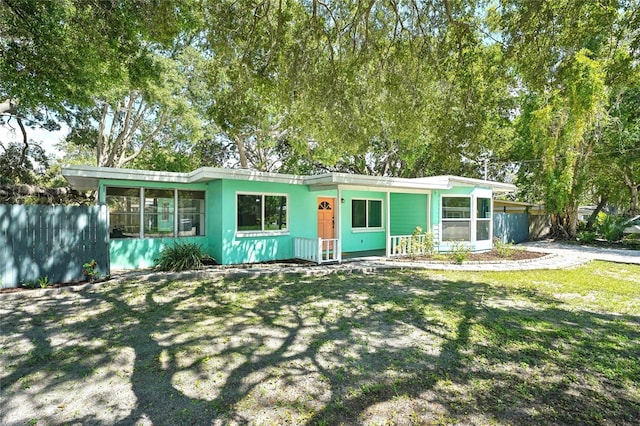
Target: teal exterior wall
(407, 212)
(135, 253)
(214, 209)
(228, 246)
(354, 240)
(302, 222)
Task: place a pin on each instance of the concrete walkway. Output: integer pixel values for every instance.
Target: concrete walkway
(584, 252)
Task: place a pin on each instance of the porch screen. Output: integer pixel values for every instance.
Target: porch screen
(456, 219)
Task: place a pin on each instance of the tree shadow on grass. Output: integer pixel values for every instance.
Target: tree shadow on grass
(397, 347)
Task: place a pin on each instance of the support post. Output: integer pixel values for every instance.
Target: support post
(388, 225)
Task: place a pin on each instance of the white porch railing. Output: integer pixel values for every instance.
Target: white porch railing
(317, 250)
(409, 245)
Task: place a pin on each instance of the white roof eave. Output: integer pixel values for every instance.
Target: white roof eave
(87, 177)
(382, 182)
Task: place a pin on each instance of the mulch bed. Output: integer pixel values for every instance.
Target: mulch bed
(489, 256)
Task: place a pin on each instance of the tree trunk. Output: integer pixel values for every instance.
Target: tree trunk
(10, 107)
(634, 202)
(634, 206)
(241, 152)
(594, 215)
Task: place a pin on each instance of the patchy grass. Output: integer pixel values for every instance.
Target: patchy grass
(550, 347)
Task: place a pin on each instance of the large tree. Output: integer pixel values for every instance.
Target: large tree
(566, 55)
(57, 55)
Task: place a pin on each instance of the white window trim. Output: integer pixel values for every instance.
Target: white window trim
(450, 219)
(262, 233)
(473, 217)
(488, 219)
(366, 216)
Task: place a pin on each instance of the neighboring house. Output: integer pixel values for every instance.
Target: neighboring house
(243, 216)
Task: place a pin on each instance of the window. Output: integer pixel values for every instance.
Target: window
(259, 212)
(124, 212)
(190, 213)
(366, 213)
(158, 212)
(483, 219)
(456, 219)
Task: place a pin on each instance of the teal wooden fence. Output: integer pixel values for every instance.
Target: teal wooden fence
(38, 241)
(511, 227)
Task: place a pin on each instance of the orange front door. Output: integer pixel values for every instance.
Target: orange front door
(325, 218)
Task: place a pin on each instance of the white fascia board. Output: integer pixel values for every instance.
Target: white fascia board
(212, 173)
(87, 177)
(378, 182)
(452, 180)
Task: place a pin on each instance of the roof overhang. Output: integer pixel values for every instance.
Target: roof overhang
(88, 178)
(463, 181)
(381, 183)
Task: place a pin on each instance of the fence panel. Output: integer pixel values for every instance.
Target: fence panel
(510, 227)
(38, 241)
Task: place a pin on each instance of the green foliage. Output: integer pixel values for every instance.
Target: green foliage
(89, 270)
(555, 128)
(181, 257)
(21, 164)
(504, 249)
(610, 227)
(56, 53)
(459, 252)
(43, 282)
(632, 240)
(586, 237)
(29, 284)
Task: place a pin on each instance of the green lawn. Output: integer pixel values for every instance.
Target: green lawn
(544, 347)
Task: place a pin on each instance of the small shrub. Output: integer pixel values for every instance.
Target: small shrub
(181, 257)
(610, 227)
(504, 249)
(419, 243)
(587, 237)
(43, 282)
(89, 270)
(459, 252)
(29, 284)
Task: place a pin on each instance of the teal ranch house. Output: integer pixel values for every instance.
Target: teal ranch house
(244, 216)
